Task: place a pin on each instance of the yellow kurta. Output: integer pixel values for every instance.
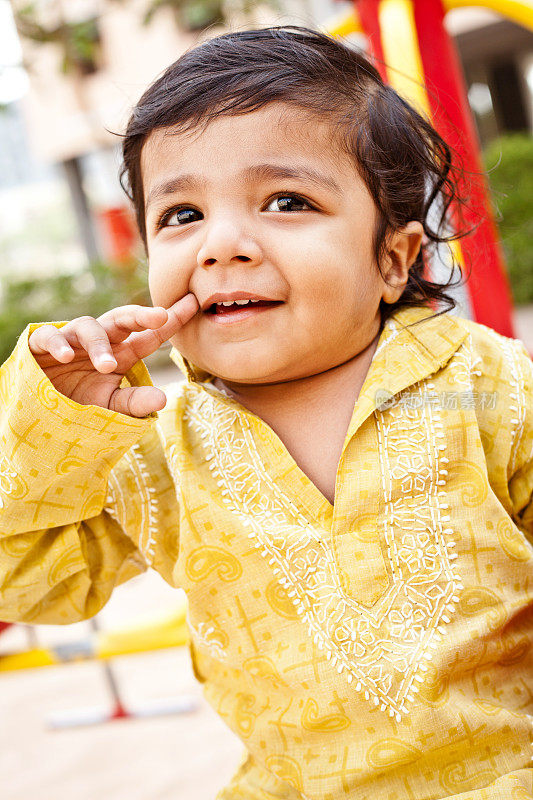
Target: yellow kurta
(377, 649)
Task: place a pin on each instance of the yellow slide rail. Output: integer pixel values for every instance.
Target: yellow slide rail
(519, 11)
(157, 634)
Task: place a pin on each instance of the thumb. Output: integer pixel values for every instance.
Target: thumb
(138, 401)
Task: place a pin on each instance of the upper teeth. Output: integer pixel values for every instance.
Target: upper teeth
(239, 302)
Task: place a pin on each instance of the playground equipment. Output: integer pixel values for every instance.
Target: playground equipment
(163, 632)
(415, 54)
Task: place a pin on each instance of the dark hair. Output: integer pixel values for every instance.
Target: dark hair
(405, 163)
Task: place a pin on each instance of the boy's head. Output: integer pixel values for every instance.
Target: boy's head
(337, 243)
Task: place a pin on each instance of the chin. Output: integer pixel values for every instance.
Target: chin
(253, 372)
(243, 365)
(244, 376)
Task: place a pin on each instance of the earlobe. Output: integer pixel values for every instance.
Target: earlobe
(404, 247)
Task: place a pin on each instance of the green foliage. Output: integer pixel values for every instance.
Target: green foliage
(79, 41)
(189, 14)
(509, 162)
(196, 15)
(81, 46)
(64, 297)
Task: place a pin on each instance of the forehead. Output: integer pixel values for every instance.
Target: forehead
(276, 131)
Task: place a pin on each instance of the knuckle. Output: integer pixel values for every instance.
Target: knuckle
(123, 317)
(129, 400)
(55, 336)
(36, 336)
(45, 330)
(113, 401)
(44, 335)
(124, 322)
(99, 342)
(121, 310)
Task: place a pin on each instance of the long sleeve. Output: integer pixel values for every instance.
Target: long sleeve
(521, 464)
(85, 497)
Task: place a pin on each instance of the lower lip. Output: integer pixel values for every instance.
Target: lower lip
(237, 316)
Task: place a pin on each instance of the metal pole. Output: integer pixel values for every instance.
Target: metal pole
(80, 203)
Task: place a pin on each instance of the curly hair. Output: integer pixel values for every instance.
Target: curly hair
(406, 165)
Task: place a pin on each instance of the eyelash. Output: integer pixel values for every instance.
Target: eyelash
(167, 214)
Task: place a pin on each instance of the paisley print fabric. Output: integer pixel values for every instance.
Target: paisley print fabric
(376, 649)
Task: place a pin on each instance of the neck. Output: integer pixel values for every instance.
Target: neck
(265, 398)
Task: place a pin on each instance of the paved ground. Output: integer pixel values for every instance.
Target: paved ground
(180, 757)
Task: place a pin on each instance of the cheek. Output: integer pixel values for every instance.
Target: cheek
(338, 298)
(168, 280)
(328, 282)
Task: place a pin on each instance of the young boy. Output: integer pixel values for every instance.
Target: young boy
(343, 483)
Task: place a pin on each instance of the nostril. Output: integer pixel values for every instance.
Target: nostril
(210, 261)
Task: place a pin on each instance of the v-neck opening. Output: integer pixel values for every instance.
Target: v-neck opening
(313, 503)
(320, 505)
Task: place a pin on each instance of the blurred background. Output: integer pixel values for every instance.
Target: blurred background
(70, 72)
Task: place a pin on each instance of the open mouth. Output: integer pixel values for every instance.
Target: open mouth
(238, 306)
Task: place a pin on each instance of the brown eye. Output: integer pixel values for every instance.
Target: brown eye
(178, 216)
(288, 202)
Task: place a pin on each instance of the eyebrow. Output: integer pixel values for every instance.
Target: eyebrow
(258, 172)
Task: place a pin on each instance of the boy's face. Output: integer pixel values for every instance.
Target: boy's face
(233, 228)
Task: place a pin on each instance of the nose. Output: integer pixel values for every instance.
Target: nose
(226, 243)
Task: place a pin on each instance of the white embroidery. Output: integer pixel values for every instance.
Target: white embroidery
(419, 544)
(205, 635)
(114, 497)
(394, 329)
(519, 396)
(172, 450)
(148, 505)
(512, 349)
(173, 463)
(384, 648)
(149, 502)
(7, 479)
(462, 365)
(528, 384)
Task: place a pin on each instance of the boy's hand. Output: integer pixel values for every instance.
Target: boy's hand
(87, 358)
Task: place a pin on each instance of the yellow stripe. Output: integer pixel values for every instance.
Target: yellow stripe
(28, 659)
(343, 24)
(519, 12)
(402, 53)
(169, 632)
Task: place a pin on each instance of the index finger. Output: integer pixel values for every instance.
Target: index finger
(120, 322)
(179, 315)
(145, 343)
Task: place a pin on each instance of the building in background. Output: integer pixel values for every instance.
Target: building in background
(497, 59)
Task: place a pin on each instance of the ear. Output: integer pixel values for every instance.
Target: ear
(403, 248)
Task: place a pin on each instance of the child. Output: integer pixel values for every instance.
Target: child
(342, 485)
